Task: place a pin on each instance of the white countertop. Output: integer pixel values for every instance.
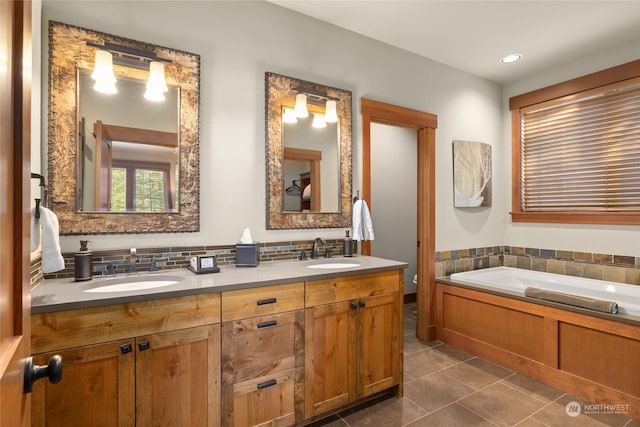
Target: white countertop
(65, 294)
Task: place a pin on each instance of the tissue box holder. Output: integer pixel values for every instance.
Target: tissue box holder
(247, 255)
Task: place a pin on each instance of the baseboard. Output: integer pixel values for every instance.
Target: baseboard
(409, 298)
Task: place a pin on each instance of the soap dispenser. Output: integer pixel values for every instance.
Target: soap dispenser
(347, 245)
(83, 260)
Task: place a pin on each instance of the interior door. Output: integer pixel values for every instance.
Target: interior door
(15, 112)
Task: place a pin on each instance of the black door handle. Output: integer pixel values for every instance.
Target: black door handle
(33, 372)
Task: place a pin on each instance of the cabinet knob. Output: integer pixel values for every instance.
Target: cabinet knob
(354, 305)
(143, 345)
(362, 304)
(33, 372)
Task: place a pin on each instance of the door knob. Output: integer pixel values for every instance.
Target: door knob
(33, 372)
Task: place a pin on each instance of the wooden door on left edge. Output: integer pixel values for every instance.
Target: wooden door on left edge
(15, 123)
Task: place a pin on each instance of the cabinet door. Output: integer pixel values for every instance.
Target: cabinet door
(97, 388)
(178, 378)
(379, 338)
(329, 357)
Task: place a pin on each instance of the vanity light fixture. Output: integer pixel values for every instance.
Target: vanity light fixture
(318, 121)
(305, 96)
(103, 73)
(108, 54)
(512, 57)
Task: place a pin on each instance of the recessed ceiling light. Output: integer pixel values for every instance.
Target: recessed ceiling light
(513, 57)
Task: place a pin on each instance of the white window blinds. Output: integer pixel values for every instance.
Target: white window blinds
(582, 153)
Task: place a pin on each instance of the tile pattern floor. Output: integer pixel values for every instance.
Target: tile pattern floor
(447, 387)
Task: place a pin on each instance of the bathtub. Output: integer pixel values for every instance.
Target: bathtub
(517, 279)
(590, 354)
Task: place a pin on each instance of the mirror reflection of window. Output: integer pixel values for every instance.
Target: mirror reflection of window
(127, 108)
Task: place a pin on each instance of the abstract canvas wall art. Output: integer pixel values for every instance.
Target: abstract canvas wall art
(471, 174)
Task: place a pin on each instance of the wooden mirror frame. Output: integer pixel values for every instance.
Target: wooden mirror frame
(278, 92)
(68, 52)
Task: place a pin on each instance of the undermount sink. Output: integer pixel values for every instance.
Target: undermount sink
(133, 283)
(330, 265)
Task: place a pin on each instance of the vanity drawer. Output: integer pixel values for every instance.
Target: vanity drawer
(268, 400)
(245, 303)
(327, 291)
(261, 345)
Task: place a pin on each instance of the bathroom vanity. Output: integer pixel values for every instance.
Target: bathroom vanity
(279, 344)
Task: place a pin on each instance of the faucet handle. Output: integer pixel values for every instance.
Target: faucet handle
(327, 253)
(111, 271)
(303, 255)
(154, 267)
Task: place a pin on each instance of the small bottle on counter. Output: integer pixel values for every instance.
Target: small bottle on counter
(347, 245)
(83, 260)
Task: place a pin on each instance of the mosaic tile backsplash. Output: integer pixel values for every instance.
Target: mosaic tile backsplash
(615, 268)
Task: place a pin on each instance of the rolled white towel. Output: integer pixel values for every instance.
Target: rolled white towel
(306, 193)
(52, 259)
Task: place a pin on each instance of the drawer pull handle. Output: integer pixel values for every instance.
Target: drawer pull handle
(267, 301)
(126, 348)
(267, 384)
(267, 324)
(143, 345)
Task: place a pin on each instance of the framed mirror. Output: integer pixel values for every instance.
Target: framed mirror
(308, 158)
(122, 162)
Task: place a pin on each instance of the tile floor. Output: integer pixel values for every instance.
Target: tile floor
(444, 386)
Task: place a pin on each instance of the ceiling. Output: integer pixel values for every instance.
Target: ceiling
(474, 35)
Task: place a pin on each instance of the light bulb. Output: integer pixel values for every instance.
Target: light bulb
(103, 73)
(318, 121)
(156, 84)
(289, 116)
(330, 114)
(301, 105)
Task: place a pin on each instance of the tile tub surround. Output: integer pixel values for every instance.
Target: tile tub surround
(610, 267)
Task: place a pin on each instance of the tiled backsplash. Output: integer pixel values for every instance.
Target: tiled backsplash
(178, 257)
(614, 268)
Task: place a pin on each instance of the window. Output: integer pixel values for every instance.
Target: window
(140, 187)
(576, 150)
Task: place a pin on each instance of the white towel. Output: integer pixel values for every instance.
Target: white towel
(52, 260)
(362, 225)
(35, 231)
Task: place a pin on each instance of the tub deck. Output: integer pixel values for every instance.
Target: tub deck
(591, 356)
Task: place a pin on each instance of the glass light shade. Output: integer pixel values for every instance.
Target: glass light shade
(156, 84)
(103, 73)
(289, 116)
(330, 114)
(301, 105)
(318, 121)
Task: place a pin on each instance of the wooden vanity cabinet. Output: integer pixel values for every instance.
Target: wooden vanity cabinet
(353, 339)
(120, 367)
(262, 356)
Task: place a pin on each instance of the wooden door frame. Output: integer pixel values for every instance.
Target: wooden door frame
(425, 125)
(15, 152)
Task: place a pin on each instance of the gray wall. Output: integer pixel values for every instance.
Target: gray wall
(394, 189)
(240, 40)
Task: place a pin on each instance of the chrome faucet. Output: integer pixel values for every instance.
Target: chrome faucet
(314, 248)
